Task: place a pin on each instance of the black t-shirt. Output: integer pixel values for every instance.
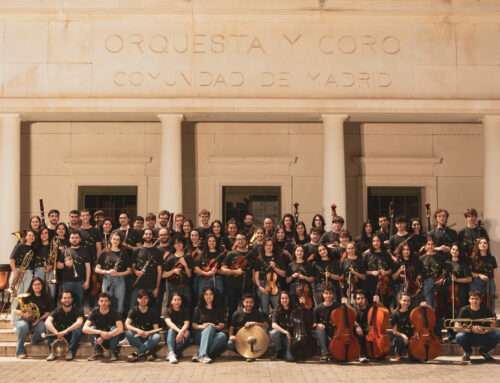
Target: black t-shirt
(108, 260)
(401, 319)
(431, 266)
(357, 264)
(240, 317)
(321, 266)
(485, 266)
(204, 315)
(19, 252)
(445, 237)
(104, 322)
(310, 249)
(304, 268)
(43, 303)
(143, 321)
(182, 278)
(237, 282)
(376, 261)
(262, 265)
(178, 317)
(322, 315)
(151, 258)
(204, 261)
(458, 268)
(80, 257)
(42, 255)
(413, 269)
(62, 319)
(90, 237)
(417, 242)
(362, 317)
(204, 231)
(396, 239)
(467, 237)
(330, 237)
(384, 235)
(337, 252)
(229, 243)
(282, 318)
(482, 313)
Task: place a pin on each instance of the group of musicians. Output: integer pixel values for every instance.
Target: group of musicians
(207, 272)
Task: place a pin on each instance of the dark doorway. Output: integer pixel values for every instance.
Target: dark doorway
(406, 200)
(111, 199)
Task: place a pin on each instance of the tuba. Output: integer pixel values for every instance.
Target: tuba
(13, 289)
(30, 308)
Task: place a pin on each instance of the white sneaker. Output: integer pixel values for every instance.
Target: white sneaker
(123, 342)
(196, 357)
(205, 359)
(171, 357)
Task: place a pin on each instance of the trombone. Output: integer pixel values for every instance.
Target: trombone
(468, 323)
(54, 250)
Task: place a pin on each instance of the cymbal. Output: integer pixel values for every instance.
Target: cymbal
(252, 342)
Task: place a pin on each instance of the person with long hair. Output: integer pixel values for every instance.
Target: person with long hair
(43, 268)
(178, 270)
(268, 265)
(288, 223)
(25, 323)
(282, 327)
(338, 251)
(194, 248)
(208, 323)
(379, 264)
(35, 224)
(418, 238)
(230, 237)
(177, 320)
(364, 241)
(402, 328)
(458, 270)
(62, 235)
(406, 270)
(319, 222)
(299, 272)
(187, 227)
(300, 236)
(216, 230)
(208, 267)
(259, 239)
(326, 270)
(283, 247)
(485, 272)
(354, 265)
(106, 229)
(114, 264)
(431, 271)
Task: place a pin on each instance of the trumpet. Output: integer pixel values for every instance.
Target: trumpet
(468, 323)
(68, 256)
(13, 289)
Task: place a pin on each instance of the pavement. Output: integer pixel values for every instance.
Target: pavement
(235, 370)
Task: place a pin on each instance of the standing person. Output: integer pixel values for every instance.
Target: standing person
(208, 268)
(269, 226)
(98, 218)
(268, 266)
(66, 321)
(204, 228)
(53, 221)
(338, 251)
(62, 234)
(383, 229)
(401, 235)
(247, 317)
(322, 322)
(146, 268)
(259, 236)
(74, 223)
(106, 230)
(299, 272)
(282, 327)
(91, 237)
(25, 323)
(187, 227)
(44, 268)
(326, 270)
(458, 270)
(151, 224)
(141, 321)
(163, 220)
(479, 334)
(468, 235)
(356, 267)
(406, 269)
(379, 264)
(231, 231)
(431, 271)
(114, 264)
(288, 223)
(332, 237)
(402, 328)
(485, 273)
(248, 226)
(177, 320)
(283, 247)
(194, 248)
(418, 238)
(166, 248)
(178, 271)
(238, 279)
(208, 323)
(75, 264)
(443, 236)
(103, 326)
(319, 222)
(216, 230)
(300, 236)
(179, 223)
(364, 241)
(311, 249)
(138, 225)
(18, 255)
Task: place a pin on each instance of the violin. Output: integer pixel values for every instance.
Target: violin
(240, 263)
(302, 346)
(211, 264)
(378, 345)
(352, 282)
(178, 265)
(384, 283)
(439, 298)
(272, 287)
(424, 344)
(302, 290)
(195, 253)
(96, 284)
(453, 296)
(344, 345)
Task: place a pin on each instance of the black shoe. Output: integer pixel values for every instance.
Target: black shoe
(133, 357)
(485, 355)
(466, 357)
(280, 355)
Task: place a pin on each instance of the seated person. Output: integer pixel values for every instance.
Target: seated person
(322, 323)
(103, 326)
(246, 317)
(281, 334)
(479, 334)
(140, 325)
(65, 321)
(177, 320)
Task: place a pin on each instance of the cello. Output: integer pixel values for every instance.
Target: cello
(424, 345)
(344, 345)
(378, 345)
(302, 346)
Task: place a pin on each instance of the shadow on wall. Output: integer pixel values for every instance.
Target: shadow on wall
(26, 186)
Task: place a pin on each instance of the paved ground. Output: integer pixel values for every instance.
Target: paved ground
(236, 371)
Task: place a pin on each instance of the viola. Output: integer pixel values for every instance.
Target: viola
(302, 346)
(96, 284)
(272, 287)
(195, 254)
(302, 290)
(211, 264)
(424, 344)
(439, 298)
(178, 265)
(384, 283)
(378, 345)
(240, 263)
(344, 345)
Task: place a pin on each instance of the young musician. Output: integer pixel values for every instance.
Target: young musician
(17, 256)
(178, 270)
(402, 328)
(269, 226)
(204, 228)
(288, 223)
(300, 236)
(246, 317)
(267, 266)
(326, 270)
(146, 267)
(208, 267)
(103, 326)
(319, 222)
(443, 236)
(311, 248)
(216, 230)
(25, 323)
(361, 325)
(322, 323)
(106, 229)
(418, 238)
(163, 220)
(458, 270)
(299, 272)
(138, 225)
(194, 248)
(406, 270)
(478, 334)
(98, 218)
(485, 272)
(151, 224)
(131, 238)
(177, 320)
(91, 237)
(114, 265)
(53, 221)
(43, 268)
(379, 264)
(283, 247)
(468, 235)
(337, 252)
(238, 279)
(75, 265)
(282, 327)
(364, 241)
(74, 223)
(65, 321)
(208, 323)
(166, 247)
(383, 229)
(332, 237)
(179, 223)
(401, 235)
(141, 321)
(431, 271)
(356, 267)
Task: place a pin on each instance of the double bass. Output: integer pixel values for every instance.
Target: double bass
(344, 345)
(424, 345)
(378, 345)
(303, 345)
